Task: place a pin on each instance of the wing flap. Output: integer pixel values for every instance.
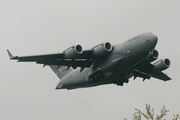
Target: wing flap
(73, 63)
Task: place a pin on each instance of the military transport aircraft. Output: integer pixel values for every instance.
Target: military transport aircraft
(104, 63)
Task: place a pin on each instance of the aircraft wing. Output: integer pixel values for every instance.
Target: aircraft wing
(147, 70)
(160, 75)
(84, 60)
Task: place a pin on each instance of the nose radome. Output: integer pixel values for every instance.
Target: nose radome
(154, 40)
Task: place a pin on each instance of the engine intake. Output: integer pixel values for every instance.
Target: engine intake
(102, 49)
(162, 64)
(73, 52)
(153, 55)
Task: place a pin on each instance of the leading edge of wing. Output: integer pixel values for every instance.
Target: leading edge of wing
(34, 58)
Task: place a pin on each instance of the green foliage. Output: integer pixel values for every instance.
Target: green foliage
(149, 114)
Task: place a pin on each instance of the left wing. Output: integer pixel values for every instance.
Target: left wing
(148, 70)
(71, 57)
(84, 60)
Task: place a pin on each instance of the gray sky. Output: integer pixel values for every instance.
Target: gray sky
(41, 26)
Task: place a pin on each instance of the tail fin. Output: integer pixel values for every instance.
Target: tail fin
(60, 71)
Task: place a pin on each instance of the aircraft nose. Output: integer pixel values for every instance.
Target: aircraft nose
(154, 40)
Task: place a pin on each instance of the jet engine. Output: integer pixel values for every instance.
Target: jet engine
(153, 55)
(162, 64)
(102, 49)
(73, 51)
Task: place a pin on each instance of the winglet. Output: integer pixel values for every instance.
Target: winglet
(10, 55)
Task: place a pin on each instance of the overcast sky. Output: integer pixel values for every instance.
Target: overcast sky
(27, 27)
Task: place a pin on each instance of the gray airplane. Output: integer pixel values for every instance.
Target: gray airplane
(104, 63)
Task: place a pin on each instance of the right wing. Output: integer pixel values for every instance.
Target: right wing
(84, 60)
(160, 75)
(148, 70)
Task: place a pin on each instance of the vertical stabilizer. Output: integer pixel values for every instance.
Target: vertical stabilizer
(60, 71)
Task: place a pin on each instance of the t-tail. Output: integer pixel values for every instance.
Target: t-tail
(61, 71)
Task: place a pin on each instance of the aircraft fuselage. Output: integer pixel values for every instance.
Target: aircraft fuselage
(116, 67)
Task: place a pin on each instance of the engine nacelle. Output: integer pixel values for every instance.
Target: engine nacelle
(102, 49)
(153, 55)
(162, 64)
(73, 52)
